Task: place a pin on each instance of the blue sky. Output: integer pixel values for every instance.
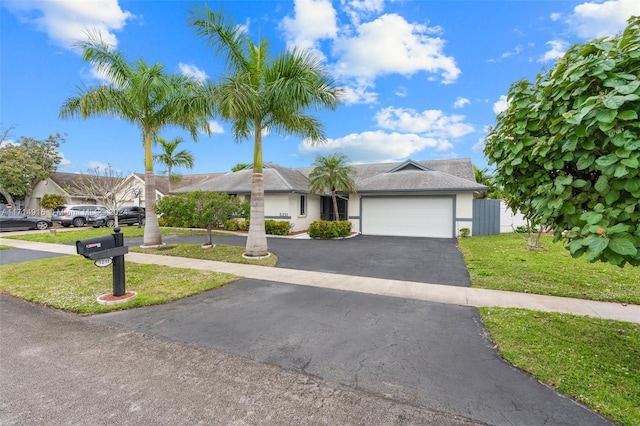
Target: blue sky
(424, 79)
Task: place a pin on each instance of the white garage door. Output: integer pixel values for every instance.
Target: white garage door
(408, 216)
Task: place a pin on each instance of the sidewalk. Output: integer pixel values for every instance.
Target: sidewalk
(455, 295)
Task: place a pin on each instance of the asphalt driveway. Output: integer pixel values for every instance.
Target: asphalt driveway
(430, 260)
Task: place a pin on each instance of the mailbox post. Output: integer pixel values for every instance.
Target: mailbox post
(107, 250)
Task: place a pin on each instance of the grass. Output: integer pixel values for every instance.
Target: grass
(72, 283)
(503, 262)
(595, 361)
(221, 253)
(3, 247)
(72, 235)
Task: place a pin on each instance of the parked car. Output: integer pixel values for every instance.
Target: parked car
(75, 214)
(11, 220)
(131, 215)
(101, 217)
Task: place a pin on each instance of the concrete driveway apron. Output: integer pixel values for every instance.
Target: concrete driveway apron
(433, 355)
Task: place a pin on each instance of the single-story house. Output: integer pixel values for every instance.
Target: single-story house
(131, 190)
(432, 198)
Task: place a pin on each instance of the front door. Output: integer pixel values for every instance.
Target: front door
(326, 208)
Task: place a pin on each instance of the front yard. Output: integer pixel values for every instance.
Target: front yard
(595, 361)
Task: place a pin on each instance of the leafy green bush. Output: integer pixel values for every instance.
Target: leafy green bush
(243, 225)
(231, 225)
(51, 201)
(277, 227)
(567, 148)
(325, 229)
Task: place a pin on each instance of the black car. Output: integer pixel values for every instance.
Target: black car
(101, 217)
(126, 216)
(131, 215)
(12, 220)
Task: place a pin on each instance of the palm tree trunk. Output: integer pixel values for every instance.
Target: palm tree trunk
(257, 238)
(152, 235)
(336, 215)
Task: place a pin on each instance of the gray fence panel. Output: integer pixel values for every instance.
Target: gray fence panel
(486, 217)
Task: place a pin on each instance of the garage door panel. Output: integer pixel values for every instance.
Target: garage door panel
(408, 216)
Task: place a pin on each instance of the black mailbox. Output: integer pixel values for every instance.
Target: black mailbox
(88, 247)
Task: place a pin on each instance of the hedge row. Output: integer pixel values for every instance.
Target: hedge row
(325, 229)
(271, 227)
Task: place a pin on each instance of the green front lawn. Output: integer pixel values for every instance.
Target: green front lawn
(503, 262)
(220, 253)
(597, 362)
(73, 283)
(72, 235)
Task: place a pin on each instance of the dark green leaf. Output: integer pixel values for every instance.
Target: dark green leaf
(606, 115)
(628, 115)
(623, 245)
(598, 245)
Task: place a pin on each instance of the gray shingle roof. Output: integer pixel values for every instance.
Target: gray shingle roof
(162, 182)
(429, 175)
(276, 179)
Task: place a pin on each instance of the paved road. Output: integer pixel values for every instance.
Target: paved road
(423, 354)
(58, 369)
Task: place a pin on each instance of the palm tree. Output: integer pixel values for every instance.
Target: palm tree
(261, 93)
(144, 96)
(170, 158)
(332, 174)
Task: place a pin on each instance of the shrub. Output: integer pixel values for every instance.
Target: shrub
(325, 229)
(464, 232)
(231, 225)
(243, 225)
(277, 227)
(51, 201)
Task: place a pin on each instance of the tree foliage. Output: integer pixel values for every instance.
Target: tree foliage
(51, 201)
(333, 174)
(145, 96)
(260, 92)
(200, 209)
(567, 149)
(171, 157)
(25, 163)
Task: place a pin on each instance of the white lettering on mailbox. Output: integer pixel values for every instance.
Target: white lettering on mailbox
(94, 245)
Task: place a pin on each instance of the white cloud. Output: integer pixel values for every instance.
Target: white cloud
(461, 102)
(401, 91)
(357, 92)
(478, 146)
(98, 166)
(193, 72)
(432, 123)
(67, 21)
(215, 128)
(599, 19)
(313, 20)
(359, 9)
(555, 16)
(500, 105)
(361, 51)
(513, 52)
(391, 45)
(373, 147)
(558, 49)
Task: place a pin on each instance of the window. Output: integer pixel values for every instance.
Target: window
(303, 205)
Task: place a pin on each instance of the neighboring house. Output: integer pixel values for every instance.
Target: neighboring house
(414, 198)
(134, 185)
(64, 183)
(58, 183)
